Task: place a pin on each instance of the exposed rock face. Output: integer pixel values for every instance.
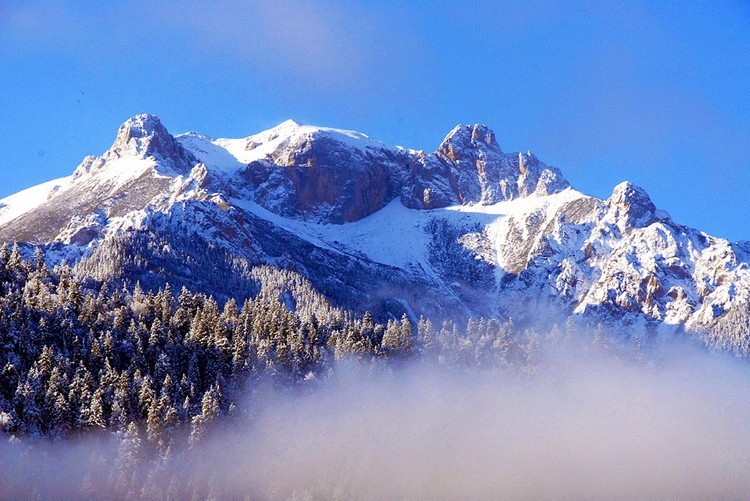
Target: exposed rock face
(314, 174)
(138, 167)
(631, 207)
(484, 174)
(316, 177)
(142, 136)
(429, 183)
(145, 135)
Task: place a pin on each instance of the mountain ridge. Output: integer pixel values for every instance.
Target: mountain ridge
(468, 230)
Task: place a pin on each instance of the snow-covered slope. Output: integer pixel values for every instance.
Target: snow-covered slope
(19, 203)
(466, 230)
(289, 133)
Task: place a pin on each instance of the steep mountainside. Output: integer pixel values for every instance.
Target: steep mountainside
(468, 230)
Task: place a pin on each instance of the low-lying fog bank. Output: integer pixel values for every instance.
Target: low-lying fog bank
(675, 423)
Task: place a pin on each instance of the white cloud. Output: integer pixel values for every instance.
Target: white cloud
(317, 43)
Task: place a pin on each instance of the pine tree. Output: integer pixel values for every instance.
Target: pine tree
(209, 412)
(426, 334)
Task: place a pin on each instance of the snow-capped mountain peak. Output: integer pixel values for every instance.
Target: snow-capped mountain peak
(142, 143)
(468, 229)
(291, 132)
(466, 137)
(142, 134)
(631, 207)
(145, 136)
(485, 174)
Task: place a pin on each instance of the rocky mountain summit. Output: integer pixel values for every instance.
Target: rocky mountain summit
(334, 176)
(467, 230)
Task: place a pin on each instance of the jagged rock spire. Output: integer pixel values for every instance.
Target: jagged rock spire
(464, 137)
(146, 136)
(142, 136)
(631, 206)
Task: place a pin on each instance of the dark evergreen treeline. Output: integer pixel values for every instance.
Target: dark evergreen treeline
(155, 370)
(78, 356)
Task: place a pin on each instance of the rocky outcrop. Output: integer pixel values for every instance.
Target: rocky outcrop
(631, 207)
(482, 173)
(315, 174)
(319, 178)
(142, 136)
(139, 167)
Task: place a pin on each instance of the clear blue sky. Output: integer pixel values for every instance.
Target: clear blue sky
(653, 92)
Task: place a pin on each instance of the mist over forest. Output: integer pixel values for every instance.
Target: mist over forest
(587, 423)
(110, 390)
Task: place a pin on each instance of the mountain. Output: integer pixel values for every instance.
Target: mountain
(467, 230)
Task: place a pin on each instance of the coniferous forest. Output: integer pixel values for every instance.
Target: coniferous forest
(129, 390)
(159, 368)
(97, 355)
(150, 375)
